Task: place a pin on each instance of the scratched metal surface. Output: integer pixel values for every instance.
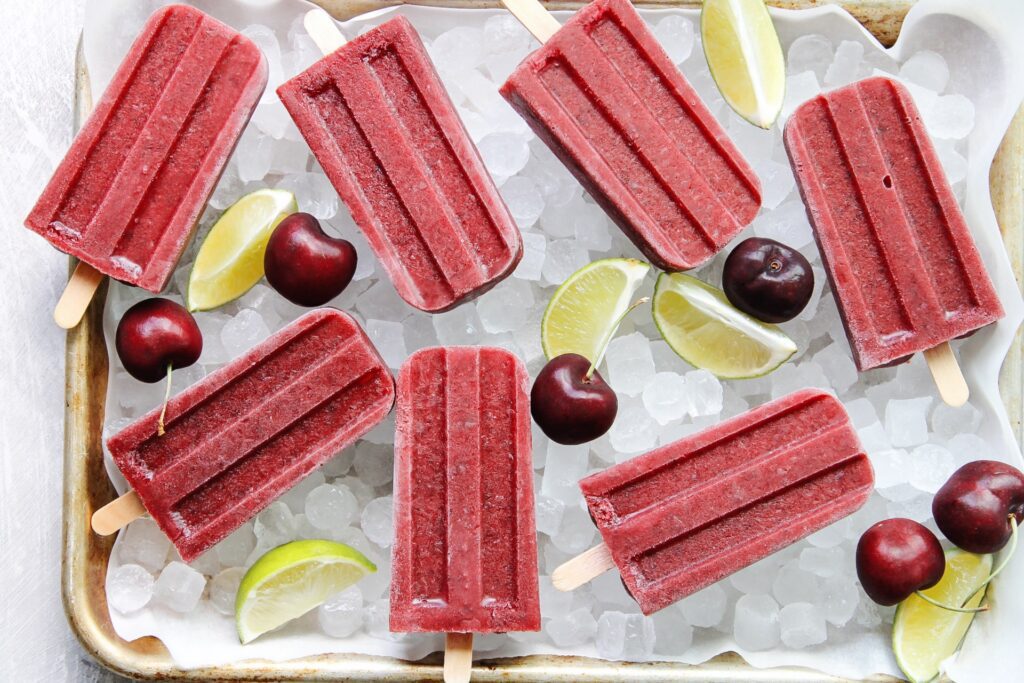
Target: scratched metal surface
(37, 82)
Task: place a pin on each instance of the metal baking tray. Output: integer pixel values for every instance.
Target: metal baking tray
(86, 486)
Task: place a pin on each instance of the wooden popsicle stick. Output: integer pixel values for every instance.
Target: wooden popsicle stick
(535, 17)
(321, 28)
(117, 514)
(947, 375)
(77, 295)
(583, 568)
(458, 657)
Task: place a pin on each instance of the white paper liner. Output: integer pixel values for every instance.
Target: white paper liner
(982, 45)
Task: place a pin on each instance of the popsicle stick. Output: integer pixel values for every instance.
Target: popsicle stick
(458, 657)
(324, 32)
(533, 15)
(77, 295)
(583, 568)
(947, 375)
(117, 514)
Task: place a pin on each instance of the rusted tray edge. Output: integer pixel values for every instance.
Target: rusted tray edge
(86, 487)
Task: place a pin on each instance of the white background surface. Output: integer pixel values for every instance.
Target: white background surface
(36, 86)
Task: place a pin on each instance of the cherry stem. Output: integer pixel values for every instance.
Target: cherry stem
(611, 333)
(933, 601)
(1006, 559)
(167, 398)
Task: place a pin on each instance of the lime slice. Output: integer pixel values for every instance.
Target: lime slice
(745, 57)
(923, 635)
(292, 579)
(583, 312)
(230, 260)
(700, 324)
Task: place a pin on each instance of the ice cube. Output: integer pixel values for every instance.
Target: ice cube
(633, 430)
(506, 307)
(275, 525)
(571, 629)
(844, 66)
(144, 544)
(627, 637)
(341, 615)
(824, 562)
(339, 465)
(705, 393)
(243, 331)
(953, 163)
(254, 155)
(952, 117)
(862, 412)
(673, 635)
(591, 228)
(129, 588)
(179, 587)
(967, 447)
(802, 624)
(755, 143)
(330, 507)
(706, 607)
(504, 153)
(666, 397)
(549, 515)
(947, 421)
(459, 326)
(295, 497)
(838, 366)
(224, 590)
(374, 464)
(233, 550)
(799, 88)
(905, 421)
(929, 466)
(524, 200)
(532, 264)
(777, 182)
(810, 52)
(562, 259)
(675, 33)
(565, 466)
(503, 33)
(889, 466)
(787, 224)
(928, 69)
(874, 438)
(757, 577)
(832, 535)
(381, 302)
(630, 363)
(841, 599)
(794, 584)
(552, 600)
(457, 50)
(576, 533)
(756, 622)
(377, 521)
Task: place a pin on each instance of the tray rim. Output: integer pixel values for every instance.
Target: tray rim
(86, 487)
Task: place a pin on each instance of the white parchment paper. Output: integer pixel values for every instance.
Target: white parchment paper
(981, 42)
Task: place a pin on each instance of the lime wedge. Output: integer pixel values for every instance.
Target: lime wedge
(230, 260)
(700, 324)
(923, 635)
(292, 579)
(583, 312)
(745, 57)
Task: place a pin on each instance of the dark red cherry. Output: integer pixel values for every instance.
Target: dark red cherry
(570, 407)
(897, 557)
(155, 334)
(973, 508)
(767, 279)
(304, 264)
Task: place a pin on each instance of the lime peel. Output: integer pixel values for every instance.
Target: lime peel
(704, 329)
(585, 310)
(230, 259)
(293, 579)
